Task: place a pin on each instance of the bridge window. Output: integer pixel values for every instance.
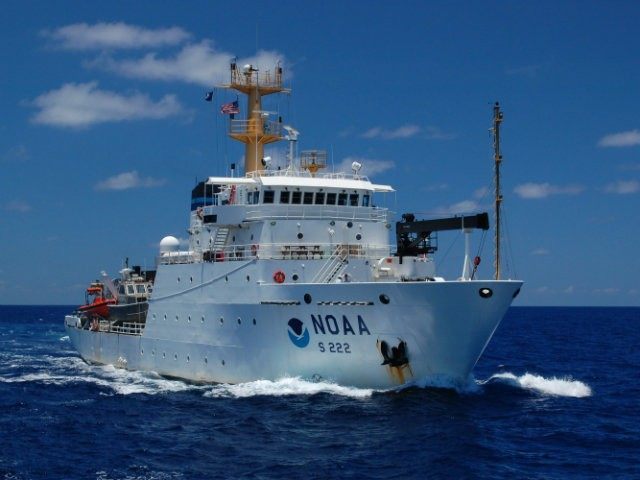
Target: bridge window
(365, 200)
(253, 197)
(308, 198)
(284, 196)
(320, 198)
(342, 199)
(296, 198)
(353, 199)
(268, 196)
(331, 198)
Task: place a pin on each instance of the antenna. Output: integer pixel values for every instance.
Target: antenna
(497, 120)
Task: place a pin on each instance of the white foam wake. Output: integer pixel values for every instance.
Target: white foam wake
(561, 387)
(284, 387)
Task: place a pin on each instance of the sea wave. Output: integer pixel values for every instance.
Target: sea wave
(559, 387)
(285, 387)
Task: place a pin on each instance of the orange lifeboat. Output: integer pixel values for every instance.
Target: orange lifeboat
(96, 304)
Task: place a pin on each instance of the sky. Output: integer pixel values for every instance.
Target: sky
(104, 129)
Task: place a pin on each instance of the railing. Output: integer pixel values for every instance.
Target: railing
(332, 266)
(284, 211)
(307, 174)
(253, 127)
(278, 251)
(126, 328)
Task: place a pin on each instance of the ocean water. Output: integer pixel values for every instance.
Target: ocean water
(556, 395)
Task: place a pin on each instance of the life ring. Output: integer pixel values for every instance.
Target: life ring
(279, 276)
(254, 250)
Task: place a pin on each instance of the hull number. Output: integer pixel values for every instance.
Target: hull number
(334, 347)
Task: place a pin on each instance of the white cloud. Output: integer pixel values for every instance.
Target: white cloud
(570, 289)
(404, 131)
(196, 63)
(540, 251)
(622, 139)
(83, 104)
(82, 36)
(127, 180)
(436, 133)
(369, 165)
(543, 190)
(17, 206)
(19, 153)
(623, 187)
(465, 206)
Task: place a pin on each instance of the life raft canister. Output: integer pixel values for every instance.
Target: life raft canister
(279, 276)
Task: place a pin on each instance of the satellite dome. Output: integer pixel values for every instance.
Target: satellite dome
(169, 244)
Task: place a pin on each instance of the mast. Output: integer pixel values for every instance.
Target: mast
(497, 120)
(256, 130)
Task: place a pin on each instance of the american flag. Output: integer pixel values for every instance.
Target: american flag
(230, 108)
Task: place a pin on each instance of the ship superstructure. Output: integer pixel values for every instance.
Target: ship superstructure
(289, 272)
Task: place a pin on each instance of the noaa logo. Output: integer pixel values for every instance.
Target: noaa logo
(298, 333)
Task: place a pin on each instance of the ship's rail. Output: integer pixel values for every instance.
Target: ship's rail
(277, 251)
(307, 174)
(124, 328)
(253, 127)
(314, 212)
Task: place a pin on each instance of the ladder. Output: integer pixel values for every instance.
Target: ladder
(333, 266)
(220, 240)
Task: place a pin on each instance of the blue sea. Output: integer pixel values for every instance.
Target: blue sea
(556, 395)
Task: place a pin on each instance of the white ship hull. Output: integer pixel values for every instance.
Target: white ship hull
(208, 336)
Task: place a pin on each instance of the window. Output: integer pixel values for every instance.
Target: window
(320, 198)
(130, 290)
(121, 289)
(308, 198)
(210, 218)
(268, 196)
(353, 199)
(253, 197)
(331, 198)
(296, 197)
(140, 289)
(342, 199)
(284, 196)
(365, 200)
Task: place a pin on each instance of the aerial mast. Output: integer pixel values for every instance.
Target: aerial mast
(256, 130)
(497, 120)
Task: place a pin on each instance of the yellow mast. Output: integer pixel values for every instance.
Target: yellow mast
(256, 130)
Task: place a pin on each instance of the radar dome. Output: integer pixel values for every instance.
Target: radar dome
(169, 244)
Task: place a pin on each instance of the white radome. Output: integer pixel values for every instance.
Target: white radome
(169, 244)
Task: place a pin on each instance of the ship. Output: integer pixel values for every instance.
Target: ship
(289, 271)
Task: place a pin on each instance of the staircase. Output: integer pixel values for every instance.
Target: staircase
(220, 240)
(334, 265)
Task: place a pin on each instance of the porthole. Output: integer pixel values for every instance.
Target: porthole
(384, 298)
(189, 318)
(178, 279)
(153, 352)
(164, 355)
(188, 359)
(191, 279)
(358, 237)
(165, 316)
(226, 279)
(307, 298)
(248, 278)
(175, 356)
(300, 235)
(332, 223)
(176, 318)
(202, 319)
(221, 320)
(206, 360)
(295, 277)
(349, 224)
(154, 316)
(254, 321)
(485, 292)
(239, 321)
(222, 362)
(141, 351)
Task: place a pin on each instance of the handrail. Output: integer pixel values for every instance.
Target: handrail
(330, 267)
